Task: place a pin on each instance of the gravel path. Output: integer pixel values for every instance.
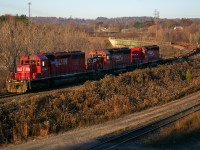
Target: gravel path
(86, 137)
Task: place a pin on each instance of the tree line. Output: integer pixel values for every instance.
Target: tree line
(21, 37)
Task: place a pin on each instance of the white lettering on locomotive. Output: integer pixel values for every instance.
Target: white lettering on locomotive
(94, 60)
(118, 58)
(27, 69)
(151, 53)
(89, 61)
(62, 61)
(44, 69)
(19, 69)
(23, 69)
(135, 54)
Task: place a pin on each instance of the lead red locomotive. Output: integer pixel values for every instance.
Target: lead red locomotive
(45, 69)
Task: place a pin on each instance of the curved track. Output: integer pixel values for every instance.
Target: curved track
(133, 134)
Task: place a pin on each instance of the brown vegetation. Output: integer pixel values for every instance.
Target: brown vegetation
(3, 75)
(96, 101)
(19, 38)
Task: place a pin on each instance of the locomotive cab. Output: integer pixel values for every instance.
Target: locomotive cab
(137, 55)
(98, 60)
(30, 68)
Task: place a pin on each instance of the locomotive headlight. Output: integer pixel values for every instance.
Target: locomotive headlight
(22, 81)
(9, 81)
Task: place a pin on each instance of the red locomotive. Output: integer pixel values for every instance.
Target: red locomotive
(108, 59)
(122, 58)
(45, 69)
(42, 70)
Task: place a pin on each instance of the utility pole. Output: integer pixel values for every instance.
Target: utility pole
(156, 18)
(29, 4)
(29, 26)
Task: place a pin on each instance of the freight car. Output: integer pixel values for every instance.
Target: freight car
(47, 69)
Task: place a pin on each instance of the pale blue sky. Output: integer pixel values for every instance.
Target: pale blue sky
(91, 9)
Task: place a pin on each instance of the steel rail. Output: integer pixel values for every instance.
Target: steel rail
(112, 143)
(5, 95)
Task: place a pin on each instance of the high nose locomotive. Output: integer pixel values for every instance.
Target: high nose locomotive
(42, 70)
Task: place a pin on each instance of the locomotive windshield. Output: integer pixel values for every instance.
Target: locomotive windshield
(28, 62)
(97, 55)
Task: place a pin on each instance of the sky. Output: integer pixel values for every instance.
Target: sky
(91, 9)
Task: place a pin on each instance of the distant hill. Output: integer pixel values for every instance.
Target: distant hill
(123, 20)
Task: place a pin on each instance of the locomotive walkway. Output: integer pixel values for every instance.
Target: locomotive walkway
(88, 137)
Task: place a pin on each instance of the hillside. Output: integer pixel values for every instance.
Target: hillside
(97, 101)
(124, 20)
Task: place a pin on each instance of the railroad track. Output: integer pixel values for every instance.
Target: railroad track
(5, 95)
(112, 143)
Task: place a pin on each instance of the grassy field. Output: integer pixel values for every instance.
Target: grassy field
(136, 42)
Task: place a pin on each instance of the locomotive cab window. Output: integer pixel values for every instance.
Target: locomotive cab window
(32, 61)
(27, 61)
(43, 63)
(38, 63)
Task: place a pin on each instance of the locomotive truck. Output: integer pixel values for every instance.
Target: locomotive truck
(47, 69)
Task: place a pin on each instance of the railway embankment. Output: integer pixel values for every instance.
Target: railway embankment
(37, 115)
(84, 138)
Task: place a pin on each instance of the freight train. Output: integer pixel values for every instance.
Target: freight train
(44, 70)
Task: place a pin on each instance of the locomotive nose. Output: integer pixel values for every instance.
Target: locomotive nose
(23, 72)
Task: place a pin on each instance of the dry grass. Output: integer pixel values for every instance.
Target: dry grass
(3, 75)
(96, 101)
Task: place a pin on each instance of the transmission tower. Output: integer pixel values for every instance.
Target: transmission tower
(156, 14)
